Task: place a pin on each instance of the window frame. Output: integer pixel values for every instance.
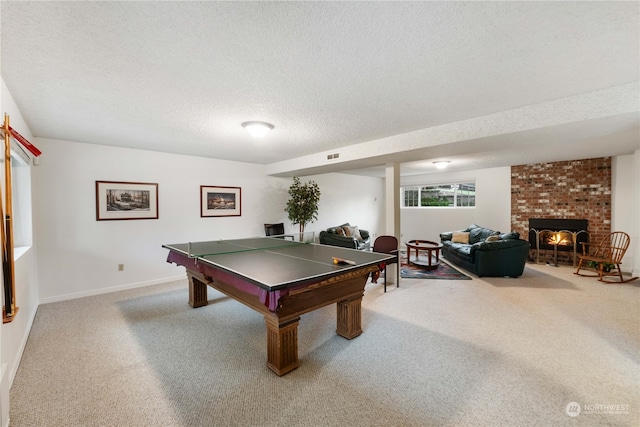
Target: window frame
(460, 201)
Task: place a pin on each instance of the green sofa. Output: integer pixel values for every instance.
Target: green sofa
(346, 236)
(486, 252)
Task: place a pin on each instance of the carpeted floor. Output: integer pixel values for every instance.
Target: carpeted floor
(481, 352)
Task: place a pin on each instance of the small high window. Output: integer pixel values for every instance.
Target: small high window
(442, 195)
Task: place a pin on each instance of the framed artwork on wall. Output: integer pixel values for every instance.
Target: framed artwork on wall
(116, 200)
(220, 201)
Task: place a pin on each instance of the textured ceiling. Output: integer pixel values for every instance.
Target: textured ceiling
(181, 77)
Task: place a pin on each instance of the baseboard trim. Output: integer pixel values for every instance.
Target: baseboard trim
(110, 289)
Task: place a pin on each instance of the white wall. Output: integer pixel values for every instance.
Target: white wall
(78, 256)
(492, 210)
(354, 199)
(625, 188)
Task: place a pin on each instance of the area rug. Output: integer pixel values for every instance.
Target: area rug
(444, 271)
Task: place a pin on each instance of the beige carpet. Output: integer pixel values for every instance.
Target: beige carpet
(481, 352)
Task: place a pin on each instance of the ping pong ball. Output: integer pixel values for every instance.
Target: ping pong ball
(335, 261)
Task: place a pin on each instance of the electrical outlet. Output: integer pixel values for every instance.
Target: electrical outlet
(120, 267)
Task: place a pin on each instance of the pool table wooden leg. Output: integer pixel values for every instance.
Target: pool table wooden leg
(197, 292)
(282, 344)
(349, 317)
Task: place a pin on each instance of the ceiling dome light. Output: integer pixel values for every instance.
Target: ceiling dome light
(257, 129)
(442, 164)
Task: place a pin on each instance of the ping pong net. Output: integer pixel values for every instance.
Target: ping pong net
(250, 244)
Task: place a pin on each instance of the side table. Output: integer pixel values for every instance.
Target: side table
(429, 261)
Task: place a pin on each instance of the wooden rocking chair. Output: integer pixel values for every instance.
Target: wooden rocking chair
(607, 258)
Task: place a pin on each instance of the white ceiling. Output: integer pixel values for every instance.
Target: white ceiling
(382, 77)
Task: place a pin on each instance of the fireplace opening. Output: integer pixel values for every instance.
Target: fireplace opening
(558, 234)
(562, 239)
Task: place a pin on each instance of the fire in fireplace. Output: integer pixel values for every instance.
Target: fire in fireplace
(550, 233)
(560, 238)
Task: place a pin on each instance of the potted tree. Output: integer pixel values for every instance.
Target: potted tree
(302, 205)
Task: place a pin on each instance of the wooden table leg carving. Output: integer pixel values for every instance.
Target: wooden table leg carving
(282, 344)
(197, 292)
(349, 317)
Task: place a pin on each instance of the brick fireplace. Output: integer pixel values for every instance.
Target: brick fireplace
(577, 189)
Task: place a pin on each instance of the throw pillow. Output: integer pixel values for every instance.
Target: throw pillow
(492, 238)
(356, 233)
(460, 237)
(352, 231)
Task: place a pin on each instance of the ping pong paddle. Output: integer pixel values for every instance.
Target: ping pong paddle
(337, 260)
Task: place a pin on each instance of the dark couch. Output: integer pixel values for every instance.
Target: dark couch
(487, 252)
(346, 236)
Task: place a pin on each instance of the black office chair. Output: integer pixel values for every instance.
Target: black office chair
(388, 245)
(276, 230)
